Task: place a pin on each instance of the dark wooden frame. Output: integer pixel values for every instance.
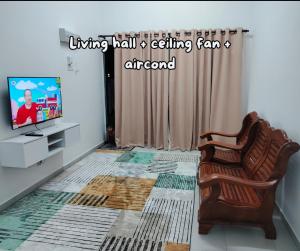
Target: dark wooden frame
(216, 211)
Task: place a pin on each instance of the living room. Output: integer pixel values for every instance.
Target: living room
(176, 130)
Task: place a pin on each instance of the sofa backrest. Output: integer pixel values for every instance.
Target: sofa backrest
(267, 157)
(255, 152)
(248, 122)
(276, 157)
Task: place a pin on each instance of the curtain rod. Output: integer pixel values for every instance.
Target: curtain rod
(177, 33)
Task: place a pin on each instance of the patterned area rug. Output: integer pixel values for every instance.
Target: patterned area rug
(111, 200)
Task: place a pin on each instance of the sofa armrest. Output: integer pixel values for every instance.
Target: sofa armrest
(209, 134)
(215, 179)
(213, 143)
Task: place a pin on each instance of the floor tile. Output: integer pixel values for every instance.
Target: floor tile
(248, 238)
(214, 241)
(284, 240)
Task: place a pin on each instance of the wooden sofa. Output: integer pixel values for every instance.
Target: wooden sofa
(244, 193)
(230, 153)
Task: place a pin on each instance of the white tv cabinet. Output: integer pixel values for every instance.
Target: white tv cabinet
(25, 151)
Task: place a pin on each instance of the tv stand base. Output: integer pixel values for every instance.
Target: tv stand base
(34, 134)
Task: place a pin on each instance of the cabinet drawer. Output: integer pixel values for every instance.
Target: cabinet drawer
(72, 135)
(35, 151)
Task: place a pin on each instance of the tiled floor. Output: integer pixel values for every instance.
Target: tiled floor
(239, 238)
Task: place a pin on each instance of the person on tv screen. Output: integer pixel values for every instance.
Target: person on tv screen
(27, 113)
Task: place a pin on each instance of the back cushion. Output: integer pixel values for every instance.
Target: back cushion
(255, 153)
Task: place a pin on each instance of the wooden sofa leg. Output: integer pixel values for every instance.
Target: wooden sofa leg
(204, 228)
(270, 231)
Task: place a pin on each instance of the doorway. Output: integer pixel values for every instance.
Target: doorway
(109, 95)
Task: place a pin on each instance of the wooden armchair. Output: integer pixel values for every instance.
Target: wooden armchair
(245, 193)
(229, 153)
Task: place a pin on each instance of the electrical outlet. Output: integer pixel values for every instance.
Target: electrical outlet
(70, 63)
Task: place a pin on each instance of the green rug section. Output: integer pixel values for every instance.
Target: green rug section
(19, 221)
(175, 181)
(136, 157)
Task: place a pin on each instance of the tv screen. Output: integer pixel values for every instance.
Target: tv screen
(34, 100)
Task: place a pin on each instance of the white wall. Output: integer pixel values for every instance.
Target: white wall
(275, 87)
(30, 47)
(123, 16)
(153, 15)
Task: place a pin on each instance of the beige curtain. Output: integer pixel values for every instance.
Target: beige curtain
(202, 88)
(181, 88)
(141, 96)
(190, 91)
(201, 94)
(157, 101)
(226, 83)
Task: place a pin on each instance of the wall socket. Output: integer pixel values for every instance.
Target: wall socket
(70, 63)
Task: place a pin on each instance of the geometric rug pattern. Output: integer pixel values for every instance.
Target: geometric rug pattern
(141, 199)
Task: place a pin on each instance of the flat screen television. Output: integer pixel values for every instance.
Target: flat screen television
(34, 100)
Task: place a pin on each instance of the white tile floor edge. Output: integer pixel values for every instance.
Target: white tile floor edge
(234, 238)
